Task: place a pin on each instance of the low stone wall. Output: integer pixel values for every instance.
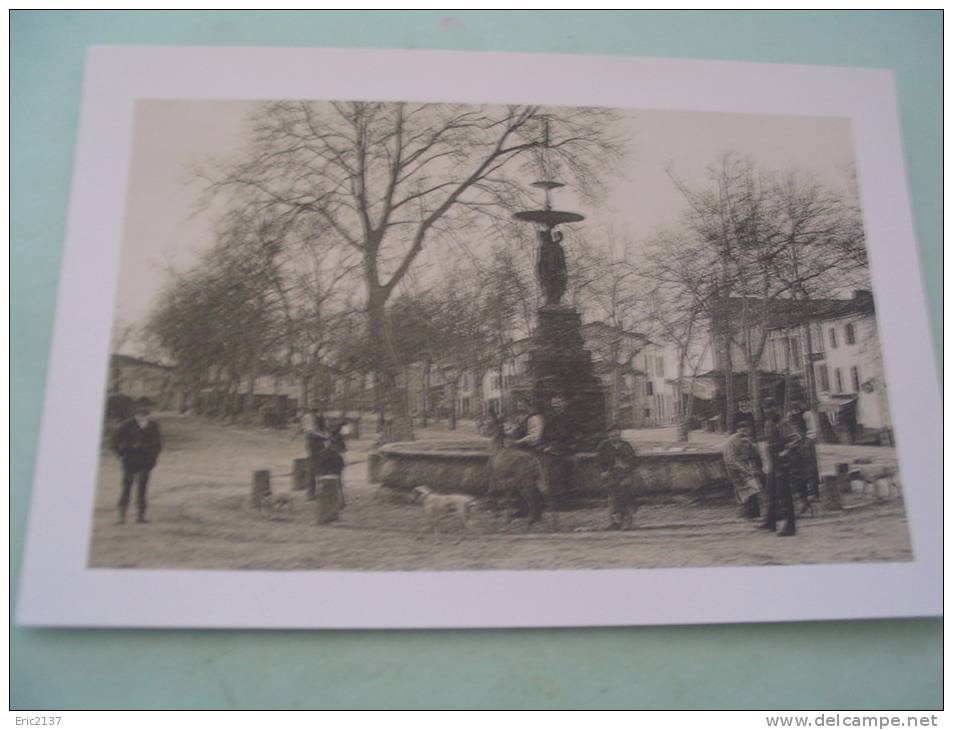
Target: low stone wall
(462, 467)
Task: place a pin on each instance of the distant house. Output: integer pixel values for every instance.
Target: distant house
(141, 379)
(827, 350)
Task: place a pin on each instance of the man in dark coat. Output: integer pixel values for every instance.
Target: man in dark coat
(330, 464)
(783, 440)
(617, 462)
(805, 473)
(137, 443)
(558, 447)
(316, 438)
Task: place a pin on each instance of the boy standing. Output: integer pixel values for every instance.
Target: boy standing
(617, 462)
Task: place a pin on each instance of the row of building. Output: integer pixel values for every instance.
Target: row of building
(826, 351)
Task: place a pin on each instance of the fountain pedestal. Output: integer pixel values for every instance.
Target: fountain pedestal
(560, 365)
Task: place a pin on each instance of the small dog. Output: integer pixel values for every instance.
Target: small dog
(435, 505)
(871, 475)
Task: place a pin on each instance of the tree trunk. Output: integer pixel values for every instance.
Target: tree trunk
(425, 394)
(346, 396)
(680, 395)
(389, 398)
(754, 397)
(729, 387)
(305, 392)
(616, 393)
(690, 405)
(504, 408)
(379, 402)
(453, 404)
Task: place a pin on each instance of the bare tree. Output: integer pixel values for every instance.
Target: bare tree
(386, 179)
(769, 238)
(607, 285)
(677, 287)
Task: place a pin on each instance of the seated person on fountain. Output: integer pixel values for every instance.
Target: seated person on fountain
(528, 427)
(556, 446)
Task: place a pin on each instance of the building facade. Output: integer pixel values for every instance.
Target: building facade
(826, 351)
(140, 380)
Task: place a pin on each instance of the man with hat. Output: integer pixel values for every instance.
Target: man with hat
(617, 462)
(806, 474)
(137, 443)
(524, 422)
(744, 467)
(779, 436)
(551, 437)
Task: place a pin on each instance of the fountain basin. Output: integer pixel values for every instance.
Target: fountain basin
(462, 467)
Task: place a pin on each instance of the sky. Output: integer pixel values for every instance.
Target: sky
(163, 228)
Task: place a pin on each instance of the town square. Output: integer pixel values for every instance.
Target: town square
(449, 336)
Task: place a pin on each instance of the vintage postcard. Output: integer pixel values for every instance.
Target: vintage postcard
(427, 339)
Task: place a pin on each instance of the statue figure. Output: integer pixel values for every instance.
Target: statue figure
(551, 266)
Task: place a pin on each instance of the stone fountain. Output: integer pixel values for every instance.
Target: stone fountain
(559, 365)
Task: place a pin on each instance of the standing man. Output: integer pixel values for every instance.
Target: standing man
(137, 443)
(744, 467)
(329, 465)
(617, 463)
(527, 432)
(807, 473)
(315, 439)
(777, 435)
(558, 448)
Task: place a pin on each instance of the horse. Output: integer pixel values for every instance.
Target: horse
(518, 477)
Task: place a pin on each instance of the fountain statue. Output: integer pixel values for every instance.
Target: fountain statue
(551, 267)
(559, 364)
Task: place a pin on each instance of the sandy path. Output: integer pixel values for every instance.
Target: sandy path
(200, 519)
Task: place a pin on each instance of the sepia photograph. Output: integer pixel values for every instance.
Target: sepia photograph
(416, 336)
(378, 350)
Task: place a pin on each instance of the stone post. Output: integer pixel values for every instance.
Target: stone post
(373, 467)
(300, 473)
(830, 492)
(329, 499)
(261, 488)
(843, 476)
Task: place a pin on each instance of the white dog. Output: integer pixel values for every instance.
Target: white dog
(870, 475)
(435, 505)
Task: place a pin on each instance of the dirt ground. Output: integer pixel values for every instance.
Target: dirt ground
(201, 518)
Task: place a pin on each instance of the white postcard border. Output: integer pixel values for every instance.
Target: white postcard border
(58, 590)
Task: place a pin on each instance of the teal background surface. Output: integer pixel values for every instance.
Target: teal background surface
(865, 664)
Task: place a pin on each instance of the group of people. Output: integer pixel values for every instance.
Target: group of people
(137, 442)
(550, 435)
(767, 476)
